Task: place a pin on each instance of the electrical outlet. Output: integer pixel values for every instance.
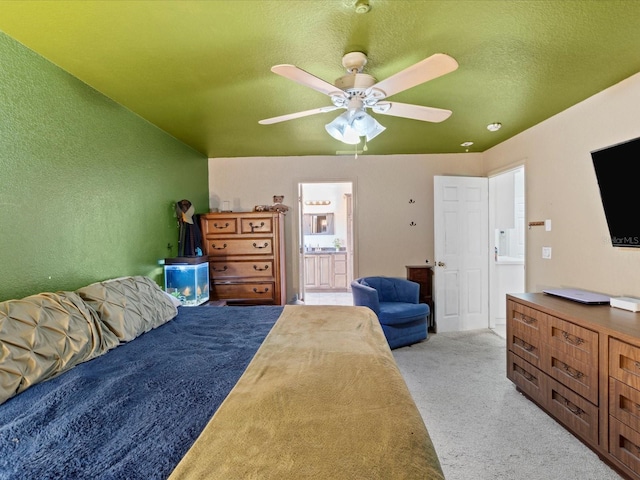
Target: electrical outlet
(546, 252)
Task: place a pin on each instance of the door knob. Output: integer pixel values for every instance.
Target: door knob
(440, 264)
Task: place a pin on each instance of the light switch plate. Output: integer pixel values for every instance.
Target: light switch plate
(546, 252)
(547, 225)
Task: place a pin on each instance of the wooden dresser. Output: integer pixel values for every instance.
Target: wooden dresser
(246, 257)
(581, 364)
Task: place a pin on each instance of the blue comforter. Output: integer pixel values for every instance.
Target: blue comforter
(135, 411)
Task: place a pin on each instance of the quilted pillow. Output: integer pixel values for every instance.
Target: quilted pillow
(46, 334)
(129, 306)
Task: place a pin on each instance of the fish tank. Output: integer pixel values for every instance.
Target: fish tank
(187, 279)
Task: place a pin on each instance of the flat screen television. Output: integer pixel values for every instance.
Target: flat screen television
(615, 168)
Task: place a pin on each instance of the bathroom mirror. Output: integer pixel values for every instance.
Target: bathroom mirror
(318, 223)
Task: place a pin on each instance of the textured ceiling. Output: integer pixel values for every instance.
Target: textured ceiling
(200, 70)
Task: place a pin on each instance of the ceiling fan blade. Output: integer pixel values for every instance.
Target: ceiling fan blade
(432, 67)
(305, 78)
(416, 112)
(291, 116)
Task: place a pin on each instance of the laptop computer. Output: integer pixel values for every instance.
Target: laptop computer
(577, 295)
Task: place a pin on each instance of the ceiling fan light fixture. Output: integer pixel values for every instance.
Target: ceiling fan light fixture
(353, 124)
(340, 129)
(366, 125)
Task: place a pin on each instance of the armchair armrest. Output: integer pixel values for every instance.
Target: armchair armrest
(365, 296)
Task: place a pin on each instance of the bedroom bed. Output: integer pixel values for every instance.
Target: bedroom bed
(223, 393)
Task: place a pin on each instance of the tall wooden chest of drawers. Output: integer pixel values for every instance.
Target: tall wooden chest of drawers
(581, 364)
(246, 257)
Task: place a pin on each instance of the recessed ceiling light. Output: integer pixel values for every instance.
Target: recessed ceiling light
(494, 127)
(362, 6)
(466, 144)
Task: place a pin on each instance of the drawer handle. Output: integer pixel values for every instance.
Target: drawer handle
(257, 268)
(572, 407)
(527, 376)
(224, 245)
(572, 372)
(223, 269)
(215, 225)
(255, 226)
(527, 320)
(266, 244)
(266, 290)
(572, 339)
(637, 364)
(524, 345)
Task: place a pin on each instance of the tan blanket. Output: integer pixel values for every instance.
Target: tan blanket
(322, 398)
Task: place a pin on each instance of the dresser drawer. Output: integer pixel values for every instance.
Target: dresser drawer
(624, 362)
(264, 292)
(257, 225)
(579, 415)
(580, 377)
(527, 377)
(624, 444)
(232, 269)
(219, 226)
(624, 403)
(573, 340)
(525, 342)
(526, 319)
(227, 247)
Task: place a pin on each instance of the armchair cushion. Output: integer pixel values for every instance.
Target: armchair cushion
(396, 313)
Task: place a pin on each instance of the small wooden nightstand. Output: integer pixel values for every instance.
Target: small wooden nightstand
(423, 274)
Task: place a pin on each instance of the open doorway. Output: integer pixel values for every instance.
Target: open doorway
(507, 238)
(326, 242)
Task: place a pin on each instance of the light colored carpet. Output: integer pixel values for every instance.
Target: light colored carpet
(482, 428)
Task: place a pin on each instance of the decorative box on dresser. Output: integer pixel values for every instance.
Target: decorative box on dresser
(246, 257)
(581, 364)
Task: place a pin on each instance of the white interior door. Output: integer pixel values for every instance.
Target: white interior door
(461, 248)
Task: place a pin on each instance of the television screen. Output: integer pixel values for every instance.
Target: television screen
(614, 167)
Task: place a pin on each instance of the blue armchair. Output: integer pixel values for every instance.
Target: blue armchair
(395, 302)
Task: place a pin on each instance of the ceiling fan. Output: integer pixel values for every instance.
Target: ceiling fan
(356, 92)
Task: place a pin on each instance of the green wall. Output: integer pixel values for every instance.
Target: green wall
(87, 188)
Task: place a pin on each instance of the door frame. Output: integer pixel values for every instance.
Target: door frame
(497, 309)
(351, 236)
